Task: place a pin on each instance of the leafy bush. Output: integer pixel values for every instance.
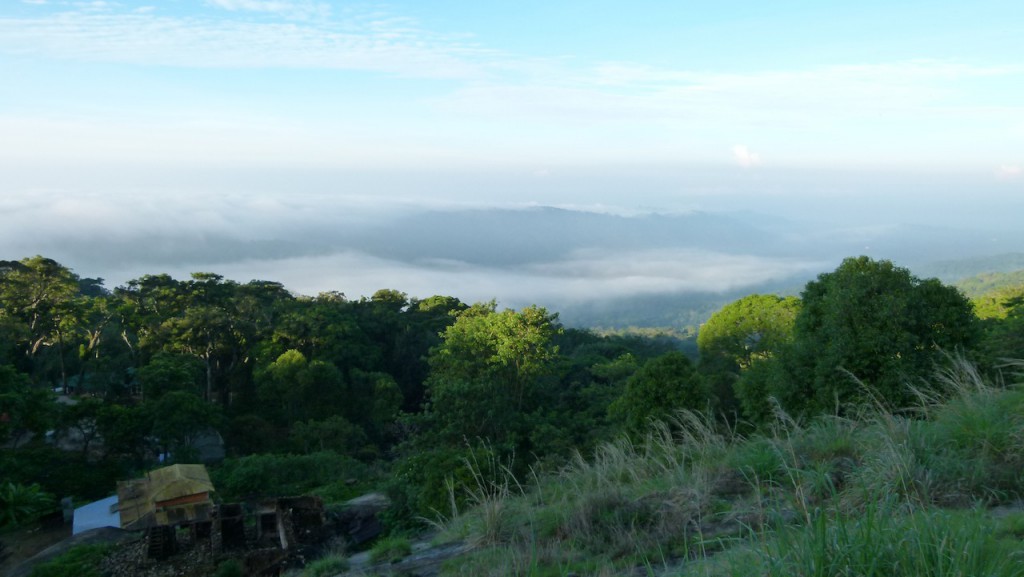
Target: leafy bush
(390, 549)
(20, 504)
(265, 475)
(326, 566)
(661, 387)
(60, 472)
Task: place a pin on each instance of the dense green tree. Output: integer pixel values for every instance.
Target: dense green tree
(864, 331)
(1002, 317)
(323, 328)
(486, 370)
(36, 306)
(178, 419)
(168, 372)
(335, 433)
(293, 388)
(248, 434)
(743, 332)
(658, 390)
(749, 328)
(25, 409)
(96, 317)
(80, 420)
(373, 403)
(126, 431)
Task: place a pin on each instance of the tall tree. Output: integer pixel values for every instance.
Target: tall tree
(866, 330)
(660, 388)
(749, 328)
(35, 301)
(484, 372)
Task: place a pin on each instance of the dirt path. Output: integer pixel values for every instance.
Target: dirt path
(24, 543)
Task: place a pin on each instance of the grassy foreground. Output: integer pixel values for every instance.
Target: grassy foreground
(928, 491)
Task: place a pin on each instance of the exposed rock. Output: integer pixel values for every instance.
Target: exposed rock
(358, 520)
(425, 561)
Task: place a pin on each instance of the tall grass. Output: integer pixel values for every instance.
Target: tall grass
(884, 542)
(886, 492)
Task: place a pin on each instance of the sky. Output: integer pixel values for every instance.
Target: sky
(248, 117)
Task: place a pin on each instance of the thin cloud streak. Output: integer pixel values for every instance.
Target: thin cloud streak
(622, 110)
(356, 43)
(289, 9)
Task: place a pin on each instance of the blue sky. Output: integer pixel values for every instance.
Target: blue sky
(915, 85)
(109, 107)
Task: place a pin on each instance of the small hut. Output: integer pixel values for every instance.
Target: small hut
(179, 495)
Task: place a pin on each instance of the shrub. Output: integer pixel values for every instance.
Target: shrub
(261, 475)
(326, 566)
(20, 504)
(390, 549)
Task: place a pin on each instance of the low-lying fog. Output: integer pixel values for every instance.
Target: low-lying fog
(578, 241)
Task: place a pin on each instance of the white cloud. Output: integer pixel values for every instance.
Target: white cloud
(290, 9)
(745, 157)
(1009, 171)
(358, 42)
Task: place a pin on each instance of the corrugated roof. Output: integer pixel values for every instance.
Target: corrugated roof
(102, 513)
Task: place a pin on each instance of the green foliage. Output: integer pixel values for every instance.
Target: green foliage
(125, 430)
(167, 372)
(883, 542)
(35, 296)
(863, 333)
(230, 568)
(390, 549)
(249, 434)
(987, 283)
(1002, 314)
(875, 493)
(484, 374)
(332, 434)
(293, 389)
(178, 418)
(750, 328)
(60, 472)
(80, 419)
(326, 566)
(80, 561)
(274, 475)
(24, 408)
(21, 504)
(374, 403)
(759, 461)
(420, 485)
(660, 388)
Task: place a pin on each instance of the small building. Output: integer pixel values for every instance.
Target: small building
(102, 513)
(164, 499)
(174, 495)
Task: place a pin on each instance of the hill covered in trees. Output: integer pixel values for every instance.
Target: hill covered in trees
(332, 396)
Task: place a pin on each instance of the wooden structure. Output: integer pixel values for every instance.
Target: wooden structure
(179, 495)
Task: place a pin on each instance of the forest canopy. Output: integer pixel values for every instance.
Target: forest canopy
(416, 386)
